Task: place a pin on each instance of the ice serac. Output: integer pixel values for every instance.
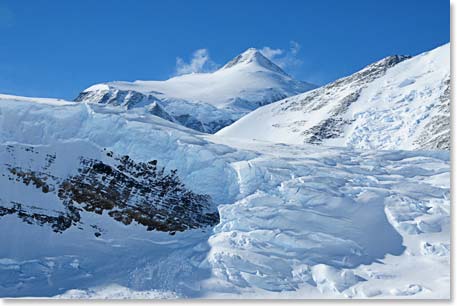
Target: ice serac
(396, 103)
(86, 211)
(205, 102)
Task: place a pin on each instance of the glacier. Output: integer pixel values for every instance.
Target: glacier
(294, 220)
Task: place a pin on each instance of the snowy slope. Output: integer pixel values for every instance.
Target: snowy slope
(205, 101)
(293, 221)
(4, 97)
(396, 103)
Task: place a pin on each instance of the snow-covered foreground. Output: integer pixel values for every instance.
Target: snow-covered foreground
(347, 223)
(295, 221)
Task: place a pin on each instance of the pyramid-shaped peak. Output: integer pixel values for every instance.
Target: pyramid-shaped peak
(254, 56)
(252, 52)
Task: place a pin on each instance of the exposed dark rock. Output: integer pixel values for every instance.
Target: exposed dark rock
(138, 192)
(58, 223)
(159, 111)
(126, 190)
(195, 124)
(327, 129)
(315, 100)
(334, 126)
(435, 135)
(37, 179)
(130, 99)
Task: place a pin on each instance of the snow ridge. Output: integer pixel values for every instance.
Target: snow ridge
(253, 55)
(398, 102)
(205, 101)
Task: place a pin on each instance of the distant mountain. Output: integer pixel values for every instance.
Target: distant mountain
(395, 103)
(204, 101)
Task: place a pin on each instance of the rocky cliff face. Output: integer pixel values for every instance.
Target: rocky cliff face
(117, 187)
(333, 126)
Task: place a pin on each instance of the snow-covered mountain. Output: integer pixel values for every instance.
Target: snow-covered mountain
(86, 211)
(112, 197)
(395, 103)
(204, 101)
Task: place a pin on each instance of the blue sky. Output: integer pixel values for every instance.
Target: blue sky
(57, 48)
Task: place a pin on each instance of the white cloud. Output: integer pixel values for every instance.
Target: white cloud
(200, 62)
(286, 59)
(271, 53)
(294, 47)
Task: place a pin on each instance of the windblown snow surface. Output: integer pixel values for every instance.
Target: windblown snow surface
(295, 221)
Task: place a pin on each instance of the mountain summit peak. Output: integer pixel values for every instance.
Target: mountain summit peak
(254, 56)
(252, 52)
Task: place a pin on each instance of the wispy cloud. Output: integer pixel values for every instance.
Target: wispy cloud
(284, 58)
(199, 62)
(271, 53)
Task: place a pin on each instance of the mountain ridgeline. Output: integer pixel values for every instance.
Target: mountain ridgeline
(205, 102)
(398, 102)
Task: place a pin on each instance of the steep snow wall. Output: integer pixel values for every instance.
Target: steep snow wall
(295, 221)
